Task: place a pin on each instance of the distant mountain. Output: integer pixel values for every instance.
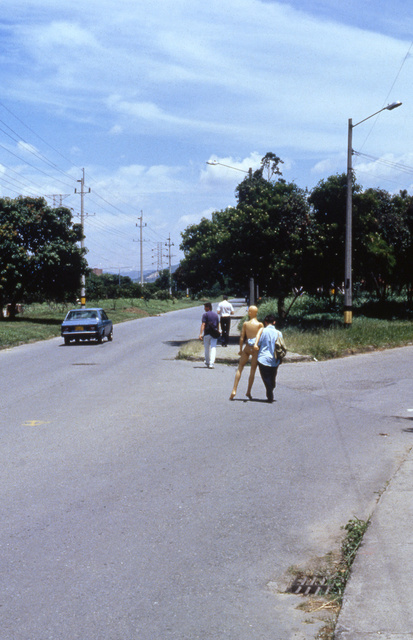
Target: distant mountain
(148, 275)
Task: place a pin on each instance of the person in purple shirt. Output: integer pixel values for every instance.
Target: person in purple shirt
(209, 333)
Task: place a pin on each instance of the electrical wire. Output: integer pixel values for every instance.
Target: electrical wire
(373, 124)
(113, 232)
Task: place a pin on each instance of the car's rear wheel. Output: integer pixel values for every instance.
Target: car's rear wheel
(67, 341)
(110, 336)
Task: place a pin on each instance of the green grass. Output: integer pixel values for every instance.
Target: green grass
(315, 327)
(365, 334)
(42, 321)
(355, 529)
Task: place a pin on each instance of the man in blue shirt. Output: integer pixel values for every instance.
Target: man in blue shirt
(268, 359)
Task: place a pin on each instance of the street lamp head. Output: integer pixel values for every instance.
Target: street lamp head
(393, 105)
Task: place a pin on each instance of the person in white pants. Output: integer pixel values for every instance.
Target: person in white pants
(209, 333)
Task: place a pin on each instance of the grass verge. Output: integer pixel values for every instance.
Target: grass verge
(314, 325)
(365, 334)
(310, 331)
(42, 321)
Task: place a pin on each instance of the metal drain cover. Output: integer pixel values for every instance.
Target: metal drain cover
(309, 586)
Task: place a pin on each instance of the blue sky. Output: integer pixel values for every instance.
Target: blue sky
(141, 95)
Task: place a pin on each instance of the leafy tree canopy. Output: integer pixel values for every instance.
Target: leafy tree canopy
(39, 255)
(288, 238)
(266, 236)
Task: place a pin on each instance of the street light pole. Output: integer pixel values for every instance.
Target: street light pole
(348, 251)
(348, 277)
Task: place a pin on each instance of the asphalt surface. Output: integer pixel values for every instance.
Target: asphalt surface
(378, 600)
(138, 503)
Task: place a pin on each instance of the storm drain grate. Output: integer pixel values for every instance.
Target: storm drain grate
(309, 586)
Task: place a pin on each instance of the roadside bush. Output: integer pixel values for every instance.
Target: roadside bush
(162, 294)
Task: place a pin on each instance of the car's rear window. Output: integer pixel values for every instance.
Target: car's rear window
(81, 314)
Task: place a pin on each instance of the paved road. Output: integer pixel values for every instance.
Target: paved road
(138, 503)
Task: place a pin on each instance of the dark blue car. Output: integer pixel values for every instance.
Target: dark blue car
(86, 324)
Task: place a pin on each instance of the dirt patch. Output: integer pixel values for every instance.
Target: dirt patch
(322, 609)
(137, 311)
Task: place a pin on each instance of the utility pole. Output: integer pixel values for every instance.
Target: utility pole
(170, 244)
(58, 198)
(141, 225)
(82, 242)
(159, 262)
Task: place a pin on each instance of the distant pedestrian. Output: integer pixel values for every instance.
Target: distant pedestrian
(209, 333)
(225, 310)
(272, 349)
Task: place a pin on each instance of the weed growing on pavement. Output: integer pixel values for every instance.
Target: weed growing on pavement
(191, 350)
(333, 571)
(355, 531)
(337, 581)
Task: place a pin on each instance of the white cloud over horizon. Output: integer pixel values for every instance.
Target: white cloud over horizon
(144, 95)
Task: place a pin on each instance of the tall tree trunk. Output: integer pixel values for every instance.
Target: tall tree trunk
(281, 307)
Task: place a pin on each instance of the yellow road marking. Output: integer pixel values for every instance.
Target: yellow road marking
(34, 423)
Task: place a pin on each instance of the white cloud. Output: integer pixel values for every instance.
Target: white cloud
(229, 169)
(116, 130)
(143, 94)
(329, 165)
(185, 221)
(26, 147)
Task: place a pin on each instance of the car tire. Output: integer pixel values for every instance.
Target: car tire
(67, 341)
(100, 338)
(110, 336)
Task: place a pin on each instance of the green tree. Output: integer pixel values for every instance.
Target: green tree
(266, 236)
(162, 282)
(404, 273)
(39, 255)
(381, 235)
(328, 200)
(202, 266)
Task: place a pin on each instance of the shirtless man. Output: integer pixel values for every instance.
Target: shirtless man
(247, 338)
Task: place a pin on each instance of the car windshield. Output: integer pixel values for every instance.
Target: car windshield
(81, 314)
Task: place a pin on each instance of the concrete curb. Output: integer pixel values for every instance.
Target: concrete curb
(230, 354)
(233, 359)
(379, 595)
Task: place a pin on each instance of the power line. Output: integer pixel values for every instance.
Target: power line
(389, 163)
(32, 165)
(389, 92)
(36, 134)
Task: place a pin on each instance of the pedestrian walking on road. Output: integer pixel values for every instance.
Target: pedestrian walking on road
(271, 350)
(225, 310)
(209, 333)
(247, 339)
